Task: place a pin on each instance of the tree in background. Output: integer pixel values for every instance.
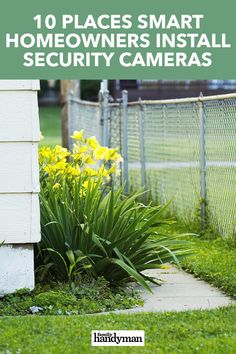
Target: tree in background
(90, 89)
(86, 90)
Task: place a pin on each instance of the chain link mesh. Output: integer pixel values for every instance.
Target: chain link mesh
(85, 115)
(221, 164)
(116, 136)
(172, 156)
(134, 163)
(171, 138)
(116, 126)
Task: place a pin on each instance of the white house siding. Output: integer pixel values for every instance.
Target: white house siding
(19, 167)
(19, 182)
(16, 111)
(19, 85)
(19, 218)
(17, 263)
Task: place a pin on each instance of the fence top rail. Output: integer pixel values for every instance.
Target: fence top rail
(90, 103)
(184, 100)
(85, 103)
(160, 102)
(115, 104)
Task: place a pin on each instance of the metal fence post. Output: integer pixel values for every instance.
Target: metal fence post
(106, 130)
(70, 119)
(142, 146)
(125, 138)
(202, 121)
(100, 113)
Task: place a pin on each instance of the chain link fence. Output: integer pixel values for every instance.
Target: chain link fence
(182, 150)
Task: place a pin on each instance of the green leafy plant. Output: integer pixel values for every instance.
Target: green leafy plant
(90, 296)
(72, 269)
(108, 234)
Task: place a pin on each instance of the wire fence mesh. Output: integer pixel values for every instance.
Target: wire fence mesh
(221, 163)
(116, 138)
(172, 156)
(173, 148)
(84, 115)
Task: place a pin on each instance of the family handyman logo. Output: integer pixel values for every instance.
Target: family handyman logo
(117, 338)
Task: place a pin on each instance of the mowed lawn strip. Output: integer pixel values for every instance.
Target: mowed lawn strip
(186, 332)
(50, 125)
(215, 262)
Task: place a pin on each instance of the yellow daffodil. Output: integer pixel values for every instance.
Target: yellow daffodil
(79, 152)
(85, 184)
(48, 169)
(88, 160)
(57, 169)
(90, 172)
(45, 153)
(78, 135)
(113, 170)
(56, 186)
(83, 149)
(61, 152)
(100, 153)
(102, 172)
(73, 171)
(77, 157)
(89, 183)
(112, 155)
(93, 143)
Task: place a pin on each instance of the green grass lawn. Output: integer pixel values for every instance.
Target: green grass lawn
(215, 262)
(210, 332)
(50, 125)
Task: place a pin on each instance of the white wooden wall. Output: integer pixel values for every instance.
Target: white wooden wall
(19, 174)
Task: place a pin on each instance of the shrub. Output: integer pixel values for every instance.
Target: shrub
(88, 160)
(88, 227)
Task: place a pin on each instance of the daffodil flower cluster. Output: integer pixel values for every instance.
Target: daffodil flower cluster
(87, 160)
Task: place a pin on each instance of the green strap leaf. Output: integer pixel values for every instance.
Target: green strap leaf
(133, 273)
